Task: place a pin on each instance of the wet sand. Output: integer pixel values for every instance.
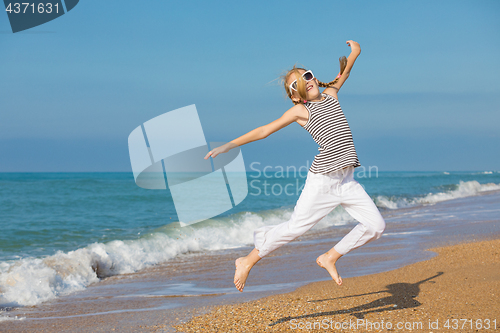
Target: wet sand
(456, 291)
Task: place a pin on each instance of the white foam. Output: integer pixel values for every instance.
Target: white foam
(31, 281)
(485, 173)
(463, 189)
(388, 234)
(392, 203)
(6, 318)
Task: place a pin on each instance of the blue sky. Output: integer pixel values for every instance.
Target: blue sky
(423, 95)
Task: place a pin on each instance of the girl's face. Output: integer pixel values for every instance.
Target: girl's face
(312, 88)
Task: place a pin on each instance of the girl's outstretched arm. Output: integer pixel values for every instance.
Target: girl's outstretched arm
(293, 114)
(355, 51)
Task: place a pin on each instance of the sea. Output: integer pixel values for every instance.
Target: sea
(63, 232)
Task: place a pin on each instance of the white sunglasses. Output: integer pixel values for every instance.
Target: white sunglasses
(308, 76)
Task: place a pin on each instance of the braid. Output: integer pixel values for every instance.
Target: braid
(343, 64)
(329, 84)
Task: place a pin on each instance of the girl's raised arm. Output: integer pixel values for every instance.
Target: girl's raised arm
(260, 132)
(355, 51)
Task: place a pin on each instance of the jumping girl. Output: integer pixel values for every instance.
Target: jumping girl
(329, 181)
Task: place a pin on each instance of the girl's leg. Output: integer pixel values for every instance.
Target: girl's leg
(371, 223)
(327, 261)
(243, 267)
(315, 202)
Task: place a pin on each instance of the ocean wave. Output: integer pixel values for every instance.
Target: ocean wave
(463, 189)
(487, 172)
(31, 281)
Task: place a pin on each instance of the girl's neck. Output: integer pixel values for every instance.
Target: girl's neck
(319, 98)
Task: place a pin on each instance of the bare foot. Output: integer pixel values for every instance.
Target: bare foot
(327, 261)
(241, 274)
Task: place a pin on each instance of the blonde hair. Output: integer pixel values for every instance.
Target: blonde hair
(301, 83)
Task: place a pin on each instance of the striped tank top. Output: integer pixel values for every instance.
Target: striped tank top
(329, 128)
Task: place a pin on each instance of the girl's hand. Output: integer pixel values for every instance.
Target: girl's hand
(222, 149)
(354, 45)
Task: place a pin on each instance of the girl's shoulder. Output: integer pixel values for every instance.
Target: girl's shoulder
(330, 93)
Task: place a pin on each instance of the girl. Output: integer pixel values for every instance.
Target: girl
(329, 181)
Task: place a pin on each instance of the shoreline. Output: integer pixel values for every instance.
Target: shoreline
(160, 297)
(461, 282)
(420, 292)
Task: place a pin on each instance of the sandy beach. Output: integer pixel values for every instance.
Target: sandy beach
(456, 291)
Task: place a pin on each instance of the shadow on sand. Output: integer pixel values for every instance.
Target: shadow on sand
(402, 296)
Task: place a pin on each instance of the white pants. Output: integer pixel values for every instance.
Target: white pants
(320, 195)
